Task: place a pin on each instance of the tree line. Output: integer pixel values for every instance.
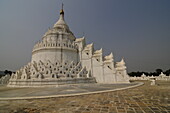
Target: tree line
(6, 72)
(156, 73)
(131, 74)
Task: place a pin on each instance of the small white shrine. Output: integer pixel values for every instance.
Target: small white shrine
(61, 58)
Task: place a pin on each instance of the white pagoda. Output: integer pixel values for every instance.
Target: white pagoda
(60, 58)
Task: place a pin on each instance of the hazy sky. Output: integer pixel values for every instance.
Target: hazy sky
(138, 30)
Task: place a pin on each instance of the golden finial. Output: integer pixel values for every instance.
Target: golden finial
(62, 10)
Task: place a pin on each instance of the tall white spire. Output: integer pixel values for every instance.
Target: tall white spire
(61, 20)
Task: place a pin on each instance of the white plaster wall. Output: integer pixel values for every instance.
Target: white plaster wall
(70, 55)
(98, 70)
(86, 62)
(55, 55)
(44, 55)
(120, 76)
(109, 76)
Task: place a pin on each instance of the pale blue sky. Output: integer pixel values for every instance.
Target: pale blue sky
(138, 30)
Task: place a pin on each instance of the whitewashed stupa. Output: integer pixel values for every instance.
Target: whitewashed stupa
(61, 58)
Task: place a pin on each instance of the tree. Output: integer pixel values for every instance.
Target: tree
(7, 72)
(167, 72)
(158, 71)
